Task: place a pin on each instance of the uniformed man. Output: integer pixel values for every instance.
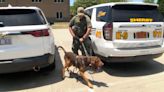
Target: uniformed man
(80, 28)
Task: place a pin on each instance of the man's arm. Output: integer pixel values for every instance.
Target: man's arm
(71, 31)
(87, 33)
(71, 23)
(89, 27)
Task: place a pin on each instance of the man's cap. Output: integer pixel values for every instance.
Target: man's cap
(80, 11)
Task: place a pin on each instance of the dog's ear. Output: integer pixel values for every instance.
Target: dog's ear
(98, 60)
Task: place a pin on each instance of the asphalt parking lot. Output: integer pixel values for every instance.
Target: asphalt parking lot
(143, 76)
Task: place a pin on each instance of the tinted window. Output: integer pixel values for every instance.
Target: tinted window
(103, 14)
(89, 12)
(19, 17)
(125, 13)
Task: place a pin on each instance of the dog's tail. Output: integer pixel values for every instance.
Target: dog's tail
(61, 48)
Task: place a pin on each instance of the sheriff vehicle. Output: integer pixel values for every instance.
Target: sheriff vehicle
(126, 31)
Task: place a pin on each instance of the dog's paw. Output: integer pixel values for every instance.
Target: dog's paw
(71, 75)
(63, 78)
(90, 85)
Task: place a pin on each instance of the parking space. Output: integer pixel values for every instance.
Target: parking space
(144, 76)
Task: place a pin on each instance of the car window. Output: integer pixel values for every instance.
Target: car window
(89, 12)
(20, 17)
(136, 13)
(103, 14)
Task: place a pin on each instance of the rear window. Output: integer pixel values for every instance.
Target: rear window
(136, 13)
(103, 14)
(20, 17)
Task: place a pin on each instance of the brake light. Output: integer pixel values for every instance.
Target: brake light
(45, 32)
(38, 33)
(107, 31)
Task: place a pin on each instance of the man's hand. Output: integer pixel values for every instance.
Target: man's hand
(81, 40)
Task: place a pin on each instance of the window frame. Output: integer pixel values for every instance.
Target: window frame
(59, 15)
(37, 1)
(144, 10)
(58, 1)
(89, 12)
(2, 1)
(22, 14)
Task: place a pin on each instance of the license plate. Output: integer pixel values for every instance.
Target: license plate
(5, 41)
(141, 35)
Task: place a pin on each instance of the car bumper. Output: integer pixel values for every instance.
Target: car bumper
(24, 64)
(111, 54)
(130, 59)
(107, 50)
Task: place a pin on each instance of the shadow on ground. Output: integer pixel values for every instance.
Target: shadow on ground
(134, 69)
(27, 80)
(80, 79)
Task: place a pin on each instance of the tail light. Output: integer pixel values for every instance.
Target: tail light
(160, 34)
(118, 35)
(107, 31)
(155, 34)
(98, 34)
(38, 33)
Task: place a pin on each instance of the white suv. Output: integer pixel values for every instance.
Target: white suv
(126, 31)
(26, 40)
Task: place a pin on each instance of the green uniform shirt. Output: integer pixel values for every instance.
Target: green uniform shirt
(82, 24)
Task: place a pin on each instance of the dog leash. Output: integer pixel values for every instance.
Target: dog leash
(86, 53)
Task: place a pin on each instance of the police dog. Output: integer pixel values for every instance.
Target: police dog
(81, 62)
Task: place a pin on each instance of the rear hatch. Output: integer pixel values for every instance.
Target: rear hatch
(137, 26)
(21, 33)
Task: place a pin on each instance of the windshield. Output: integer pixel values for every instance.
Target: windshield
(19, 17)
(136, 13)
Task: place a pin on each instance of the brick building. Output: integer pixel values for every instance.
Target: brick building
(55, 10)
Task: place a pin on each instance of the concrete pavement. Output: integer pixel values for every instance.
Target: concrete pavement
(123, 77)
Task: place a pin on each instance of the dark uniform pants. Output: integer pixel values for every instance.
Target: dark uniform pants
(76, 45)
